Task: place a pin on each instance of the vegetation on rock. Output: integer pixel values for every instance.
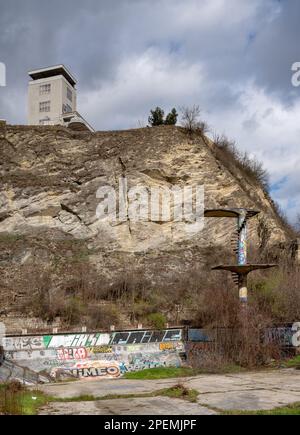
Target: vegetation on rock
(157, 117)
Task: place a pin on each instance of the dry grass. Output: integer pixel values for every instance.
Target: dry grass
(201, 299)
(228, 152)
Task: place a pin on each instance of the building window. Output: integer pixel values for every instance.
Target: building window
(66, 108)
(45, 89)
(45, 106)
(69, 94)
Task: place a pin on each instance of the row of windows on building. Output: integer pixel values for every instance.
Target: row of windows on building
(45, 106)
(46, 89)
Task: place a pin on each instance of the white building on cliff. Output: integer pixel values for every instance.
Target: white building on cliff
(52, 99)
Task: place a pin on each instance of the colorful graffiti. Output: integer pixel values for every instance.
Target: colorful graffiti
(100, 349)
(33, 359)
(242, 243)
(92, 340)
(65, 353)
(95, 355)
(166, 346)
(282, 336)
(137, 337)
(88, 369)
(111, 371)
(76, 340)
(23, 343)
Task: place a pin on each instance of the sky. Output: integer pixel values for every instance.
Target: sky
(233, 58)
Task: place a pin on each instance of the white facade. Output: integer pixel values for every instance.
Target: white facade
(52, 98)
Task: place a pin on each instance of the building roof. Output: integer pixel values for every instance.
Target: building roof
(53, 71)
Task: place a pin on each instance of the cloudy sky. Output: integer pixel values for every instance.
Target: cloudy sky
(233, 58)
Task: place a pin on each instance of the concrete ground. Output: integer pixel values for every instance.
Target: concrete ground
(140, 406)
(244, 391)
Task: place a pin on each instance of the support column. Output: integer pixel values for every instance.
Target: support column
(243, 290)
(242, 243)
(242, 268)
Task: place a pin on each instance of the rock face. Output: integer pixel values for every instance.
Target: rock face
(50, 177)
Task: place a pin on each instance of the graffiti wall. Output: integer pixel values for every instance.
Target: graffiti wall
(56, 357)
(283, 336)
(33, 359)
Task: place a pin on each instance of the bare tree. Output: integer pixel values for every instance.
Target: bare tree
(264, 233)
(190, 118)
(229, 151)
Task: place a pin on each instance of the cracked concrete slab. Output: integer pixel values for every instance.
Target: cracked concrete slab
(138, 406)
(105, 387)
(250, 391)
(249, 400)
(216, 383)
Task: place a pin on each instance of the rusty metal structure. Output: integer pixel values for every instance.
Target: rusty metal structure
(242, 268)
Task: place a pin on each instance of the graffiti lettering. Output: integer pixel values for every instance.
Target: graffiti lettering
(100, 349)
(73, 340)
(138, 337)
(113, 371)
(99, 354)
(71, 353)
(23, 343)
(113, 354)
(296, 335)
(166, 346)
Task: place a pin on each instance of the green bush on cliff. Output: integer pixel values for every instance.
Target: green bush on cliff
(157, 320)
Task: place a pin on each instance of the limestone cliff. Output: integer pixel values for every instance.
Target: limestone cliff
(49, 179)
